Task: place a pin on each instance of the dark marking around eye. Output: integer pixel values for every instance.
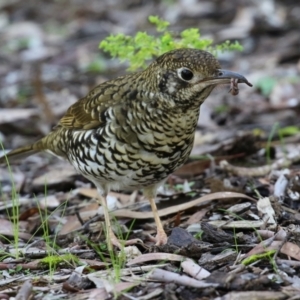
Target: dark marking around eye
(163, 82)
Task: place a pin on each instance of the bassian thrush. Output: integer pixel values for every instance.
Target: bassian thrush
(132, 132)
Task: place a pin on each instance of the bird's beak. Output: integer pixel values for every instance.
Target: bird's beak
(225, 76)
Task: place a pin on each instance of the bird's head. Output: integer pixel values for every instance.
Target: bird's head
(185, 77)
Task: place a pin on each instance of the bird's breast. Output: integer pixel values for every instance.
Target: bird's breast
(133, 150)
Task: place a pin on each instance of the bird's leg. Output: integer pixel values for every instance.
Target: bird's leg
(161, 236)
(111, 238)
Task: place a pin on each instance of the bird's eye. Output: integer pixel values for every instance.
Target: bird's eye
(185, 74)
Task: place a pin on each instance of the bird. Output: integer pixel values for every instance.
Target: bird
(131, 132)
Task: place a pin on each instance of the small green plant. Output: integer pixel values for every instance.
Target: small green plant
(221, 108)
(50, 241)
(16, 270)
(13, 214)
(255, 257)
(117, 260)
(143, 47)
(53, 261)
(17, 44)
(198, 235)
(181, 187)
(288, 131)
(266, 85)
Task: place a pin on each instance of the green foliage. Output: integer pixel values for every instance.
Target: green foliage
(181, 187)
(17, 44)
(13, 214)
(137, 50)
(266, 85)
(288, 131)
(52, 261)
(221, 108)
(96, 64)
(255, 257)
(16, 270)
(160, 24)
(198, 235)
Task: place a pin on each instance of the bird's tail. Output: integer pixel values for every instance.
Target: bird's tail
(49, 143)
(18, 153)
(21, 152)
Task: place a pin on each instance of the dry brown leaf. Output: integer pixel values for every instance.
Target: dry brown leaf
(94, 264)
(264, 206)
(72, 223)
(50, 201)
(272, 243)
(29, 213)
(290, 249)
(237, 224)
(7, 229)
(91, 294)
(124, 199)
(58, 174)
(261, 247)
(280, 235)
(197, 216)
(91, 207)
(181, 207)
(122, 286)
(167, 276)
(156, 256)
(88, 192)
(196, 167)
(250, 295)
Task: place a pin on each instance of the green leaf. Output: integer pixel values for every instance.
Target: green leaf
(288, 130)
(161, 25)
(138, 50)
(266, 85)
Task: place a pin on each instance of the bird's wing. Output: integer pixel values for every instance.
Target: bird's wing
(89, 112)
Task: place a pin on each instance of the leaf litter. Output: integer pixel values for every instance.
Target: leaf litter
(231, 217)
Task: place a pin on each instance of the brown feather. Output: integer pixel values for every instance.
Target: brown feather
(18, 154)
(86, 113)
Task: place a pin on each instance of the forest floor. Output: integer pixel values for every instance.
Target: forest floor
(231, 212)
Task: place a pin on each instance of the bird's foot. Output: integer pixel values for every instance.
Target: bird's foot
(120, 244)
(161, 238)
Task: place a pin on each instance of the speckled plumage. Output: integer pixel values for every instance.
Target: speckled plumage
(132, 132)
